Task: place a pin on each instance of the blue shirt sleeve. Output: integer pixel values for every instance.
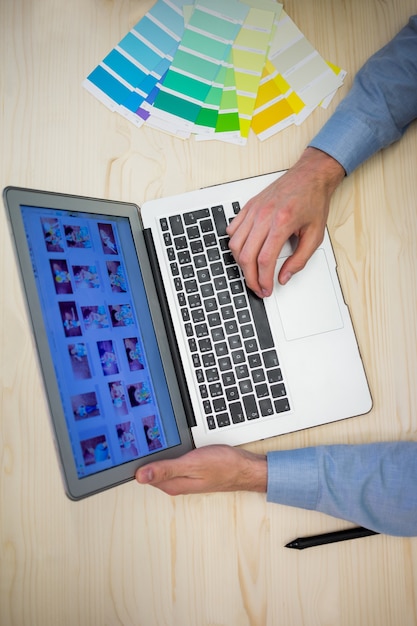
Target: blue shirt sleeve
(380, 105)
(372, 485)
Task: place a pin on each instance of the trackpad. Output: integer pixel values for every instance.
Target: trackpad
(308, 303)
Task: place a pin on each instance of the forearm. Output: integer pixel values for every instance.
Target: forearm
(371, 485)
(380, 105)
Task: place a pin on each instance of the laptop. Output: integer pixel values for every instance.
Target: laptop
(150, 343)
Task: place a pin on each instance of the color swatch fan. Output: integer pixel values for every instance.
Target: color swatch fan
(215, 69)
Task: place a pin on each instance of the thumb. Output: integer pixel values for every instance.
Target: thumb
(154, 473)
(307, 245)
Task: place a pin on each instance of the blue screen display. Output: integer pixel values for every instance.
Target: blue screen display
(101, 337)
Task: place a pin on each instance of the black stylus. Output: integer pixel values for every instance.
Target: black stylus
(340, 535)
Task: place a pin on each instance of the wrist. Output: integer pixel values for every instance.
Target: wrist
(322, 167)
(254, 472)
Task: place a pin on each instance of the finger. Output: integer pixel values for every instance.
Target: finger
(239, 233)
(267, 259)
(236, 222)
(239, 218)
(166, 476)
(256, 251)
(153, 473)
(307, 245)
(178, 486)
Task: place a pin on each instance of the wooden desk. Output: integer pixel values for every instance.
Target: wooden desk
(133, 556)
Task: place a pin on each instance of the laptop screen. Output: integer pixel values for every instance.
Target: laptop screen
(102, 341)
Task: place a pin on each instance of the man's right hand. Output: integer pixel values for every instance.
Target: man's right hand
(297, 203)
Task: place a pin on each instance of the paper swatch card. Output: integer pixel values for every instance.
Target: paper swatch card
(297, 61)
(215, 69)
(205, 46)
(129, 73)
(249, 55)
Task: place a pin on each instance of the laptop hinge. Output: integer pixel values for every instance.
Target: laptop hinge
(166, 315)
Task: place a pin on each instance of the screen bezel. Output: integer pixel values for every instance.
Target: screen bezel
(75, 487)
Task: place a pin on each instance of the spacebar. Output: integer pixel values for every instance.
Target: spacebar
(261, 320)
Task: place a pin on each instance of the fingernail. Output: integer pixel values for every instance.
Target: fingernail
(285, 278)
(265, 293)
(146, 475)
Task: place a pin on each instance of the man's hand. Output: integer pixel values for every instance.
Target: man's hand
(207, 469)
(295, 204)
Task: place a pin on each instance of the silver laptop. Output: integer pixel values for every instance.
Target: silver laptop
(150, 343)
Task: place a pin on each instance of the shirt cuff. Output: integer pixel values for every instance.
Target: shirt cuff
(348, 139)
(293, 478)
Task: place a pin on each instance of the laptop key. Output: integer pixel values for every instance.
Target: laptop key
(193, 216)
(278, 390)
(233, 272)
(225, 364)
(281, 405)
(196, 246)
(185, 314)
(236, 412)
(194, 300)
(207, 290)
(177, 227)
(219, 220)
(206, 226)
(190, 286)
(216, 390)
(208, 359)
(211, 422)
(245, 386)
(223, 420)
(219, 405)
(220, 283)
(213, 254)
(217, 334)
(261, 321)
(266, 407)
(274, 376)
(270, 359)
(228, 379)
(236, 286)
(258, 376)
(163, 223)
(184, 257)
(224, 298)
(203, 275)
(193, 232)
(180, 242)
(251, 408)
(221, 349)
(262, 390)
(214, 319)
(248, 331)
(231, 327)
(254, 360)
(232, 393)
(242, 371)
(210, 239)
(187, 271)
(200, 261)
(205, 345)
(212, 374)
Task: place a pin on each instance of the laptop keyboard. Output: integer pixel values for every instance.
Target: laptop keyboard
(236, 365)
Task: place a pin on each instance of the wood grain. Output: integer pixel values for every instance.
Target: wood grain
(133, 556)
